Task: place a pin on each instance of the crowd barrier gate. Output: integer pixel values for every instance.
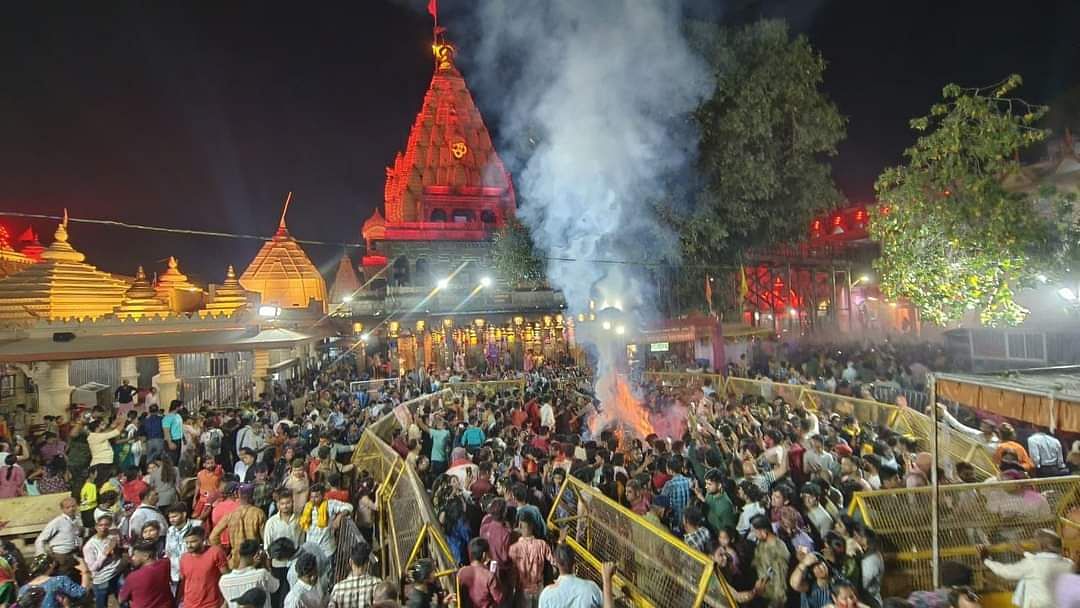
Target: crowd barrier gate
(406, 526)
(652, 568)
(953, 445)
(1002, 515)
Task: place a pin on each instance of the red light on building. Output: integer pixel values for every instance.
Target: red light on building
(860, 216)
(837, 220)
(816, 226)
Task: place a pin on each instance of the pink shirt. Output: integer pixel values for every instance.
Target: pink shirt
(11, 481)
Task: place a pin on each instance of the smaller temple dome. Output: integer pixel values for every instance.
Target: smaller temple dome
(229, 296)
(60, 286)
(345, 281)
(29, 245)
(282, 274)
(374, 228)
(141, 300)
(173, 287)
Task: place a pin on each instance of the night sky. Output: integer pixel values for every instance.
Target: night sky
(203, 115)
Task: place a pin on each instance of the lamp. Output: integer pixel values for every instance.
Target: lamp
(485, 281)
(443, 283)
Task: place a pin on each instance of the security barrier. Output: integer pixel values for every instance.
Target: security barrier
(406, 526)
(652, 567)
(490, 387)
(953, 445)
(1001, 515)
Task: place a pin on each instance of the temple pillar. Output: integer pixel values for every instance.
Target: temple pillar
(129, 371)
(53, 388)
(260, 372)
(166, 381)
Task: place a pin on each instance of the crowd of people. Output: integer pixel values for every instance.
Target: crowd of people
(171, 505)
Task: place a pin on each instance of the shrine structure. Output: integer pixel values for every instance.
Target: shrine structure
(70, 332)
(427, 255)
(282, 274)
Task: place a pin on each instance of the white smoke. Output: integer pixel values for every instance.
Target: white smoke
(602, 87)
(595, 114)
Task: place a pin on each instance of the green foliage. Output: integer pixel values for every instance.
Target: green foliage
(514, 255)
(766, 131)
(954, 236)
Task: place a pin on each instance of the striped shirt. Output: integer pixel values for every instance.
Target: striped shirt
(354, 591)
(235, 583)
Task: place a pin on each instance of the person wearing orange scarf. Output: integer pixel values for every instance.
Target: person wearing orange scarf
(321, 518)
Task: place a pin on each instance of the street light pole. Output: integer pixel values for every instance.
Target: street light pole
(935, 525)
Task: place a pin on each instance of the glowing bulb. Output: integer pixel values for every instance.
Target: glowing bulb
(865, 278)
(606, 325)
(443, 283)
(485, 281)
(619, 329)
(1041, 278)
(269, 312)
(364, 338)
(346, 299)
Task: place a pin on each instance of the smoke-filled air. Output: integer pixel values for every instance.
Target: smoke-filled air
(596, 112)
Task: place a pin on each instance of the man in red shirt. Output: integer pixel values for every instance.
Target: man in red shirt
(482, 485)
(133, 486)
(200, 569)
(149, 585)
(477, 580)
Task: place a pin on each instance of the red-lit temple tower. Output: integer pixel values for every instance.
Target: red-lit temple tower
(429, 288)
(447, 192)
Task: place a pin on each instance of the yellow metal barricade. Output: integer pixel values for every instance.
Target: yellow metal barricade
(652, 567)
(1001, 515)
(408, 528)
(488, 388)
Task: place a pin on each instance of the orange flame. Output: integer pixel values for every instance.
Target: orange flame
(620, 408)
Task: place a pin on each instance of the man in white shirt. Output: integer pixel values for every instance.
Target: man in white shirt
(850, 374)
(817, 514)
(306, 592)
(249, 574)
(1045, 452)
(179, 525)
(283, 524)
(547, 415)
(985, 434)
(322, 532)
(147, 511)
(101, 559)
(1035, 571)
(63, 535)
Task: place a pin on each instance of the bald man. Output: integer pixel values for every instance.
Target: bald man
(63, 535)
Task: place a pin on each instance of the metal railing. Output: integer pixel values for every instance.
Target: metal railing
(1001, 515)
(406, 526)
(489, 388)
(652, 567)
(220, 391)
(952, 445)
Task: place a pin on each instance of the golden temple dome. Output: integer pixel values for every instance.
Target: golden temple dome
(345, 282)
(282, 274)
(173, 287)
(141, 300)
(227, 297)
(61, 286)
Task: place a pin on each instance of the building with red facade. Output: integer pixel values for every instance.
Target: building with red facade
(427, 260)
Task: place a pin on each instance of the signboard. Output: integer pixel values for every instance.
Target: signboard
(658, 347)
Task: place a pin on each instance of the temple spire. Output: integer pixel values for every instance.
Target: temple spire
(281, 224)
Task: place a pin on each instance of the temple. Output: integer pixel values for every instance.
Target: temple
(428, 250)
(69, 332)
(282, 274)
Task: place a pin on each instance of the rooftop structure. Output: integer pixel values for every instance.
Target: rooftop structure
(282, 274)
(62, 285)
(227, 297)
(141, 300)
(345, 281)
(449, 183)
(174, 288)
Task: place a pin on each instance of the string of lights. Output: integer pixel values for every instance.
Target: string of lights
(321, 243)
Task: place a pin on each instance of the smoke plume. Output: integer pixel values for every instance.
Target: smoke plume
(594, 115)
